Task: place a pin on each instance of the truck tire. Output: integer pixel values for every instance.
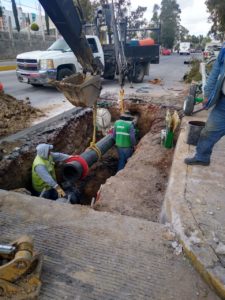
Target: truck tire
(139, 74)
(36, 84)
(188, 106)
(62, 73)
(109, 77)
(193, 90)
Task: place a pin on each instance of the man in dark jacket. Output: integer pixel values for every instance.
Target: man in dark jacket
(214, 92)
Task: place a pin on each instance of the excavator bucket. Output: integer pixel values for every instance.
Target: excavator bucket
(80, 90)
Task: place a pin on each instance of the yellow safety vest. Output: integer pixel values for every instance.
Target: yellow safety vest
(37, 182)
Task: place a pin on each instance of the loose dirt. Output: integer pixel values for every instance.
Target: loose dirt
(15, 115)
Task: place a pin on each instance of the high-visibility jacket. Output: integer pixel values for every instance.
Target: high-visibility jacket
(122, 129)
(37, 182)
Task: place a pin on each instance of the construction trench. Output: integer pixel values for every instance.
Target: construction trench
(138, 190)
(117, 249)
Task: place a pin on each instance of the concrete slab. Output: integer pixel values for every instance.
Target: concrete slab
(194, 204)
(98, 255)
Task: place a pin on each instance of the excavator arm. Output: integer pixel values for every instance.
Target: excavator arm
(79, 89)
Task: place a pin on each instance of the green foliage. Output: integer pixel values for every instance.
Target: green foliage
(34, 27)
(88, 9)
(15, 13)
(194, 74)
(170, 21)
(216, 9)
(155, 21)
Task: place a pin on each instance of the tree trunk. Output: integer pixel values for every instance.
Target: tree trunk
(47, 23)
(15, 13)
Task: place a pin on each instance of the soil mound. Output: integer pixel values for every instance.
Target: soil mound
(15, 115)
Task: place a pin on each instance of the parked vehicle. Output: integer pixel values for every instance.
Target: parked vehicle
(166, 51)
(185, 48)
(57, 62)
(211, 49)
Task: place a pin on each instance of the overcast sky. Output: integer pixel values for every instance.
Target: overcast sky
(194, 14)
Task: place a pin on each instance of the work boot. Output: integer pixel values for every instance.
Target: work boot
(195, 161)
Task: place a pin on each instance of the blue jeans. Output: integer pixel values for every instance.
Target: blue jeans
(212, 133)
(124, 154)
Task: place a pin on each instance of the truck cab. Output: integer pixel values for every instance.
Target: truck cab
(57, 62)
(185, 48)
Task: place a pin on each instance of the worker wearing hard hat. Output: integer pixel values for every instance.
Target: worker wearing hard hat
(43, 172)
(124, 136)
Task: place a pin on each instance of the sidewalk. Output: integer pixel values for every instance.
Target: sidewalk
(194, 204)
(6, 65)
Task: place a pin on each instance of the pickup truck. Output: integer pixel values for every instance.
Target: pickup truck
(58, 61)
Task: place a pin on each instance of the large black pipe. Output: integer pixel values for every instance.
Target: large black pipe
(74, 170)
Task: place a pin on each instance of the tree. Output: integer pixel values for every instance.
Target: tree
(47, 23)
(183, 33)
(34, 27)
(136, 19)
(170, 21)
(88, 9)
(216, 9)
(1, 12)
(15, 13)
(155, 21)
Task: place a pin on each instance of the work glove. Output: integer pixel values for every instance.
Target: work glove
(60, 192)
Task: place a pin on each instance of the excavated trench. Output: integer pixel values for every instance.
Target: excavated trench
(138, 190)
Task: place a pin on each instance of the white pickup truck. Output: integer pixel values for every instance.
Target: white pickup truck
(37, 67)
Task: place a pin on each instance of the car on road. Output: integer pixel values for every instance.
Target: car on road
(211, 49)
(166, 51)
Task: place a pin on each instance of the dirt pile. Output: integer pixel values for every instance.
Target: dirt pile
(15, 115)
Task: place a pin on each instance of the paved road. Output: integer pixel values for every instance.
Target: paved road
(171, 70)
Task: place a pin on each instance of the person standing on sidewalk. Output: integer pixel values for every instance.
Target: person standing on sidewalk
(214, 128)
(124, 136)
(43, 172)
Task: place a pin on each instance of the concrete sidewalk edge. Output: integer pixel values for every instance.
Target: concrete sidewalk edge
(7, 68)
(176, 211)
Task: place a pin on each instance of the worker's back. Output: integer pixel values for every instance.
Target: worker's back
(122, 129)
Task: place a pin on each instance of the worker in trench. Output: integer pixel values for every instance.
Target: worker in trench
(125, 140)
(43, 172)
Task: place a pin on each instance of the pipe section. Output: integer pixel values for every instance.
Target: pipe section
(75, 170)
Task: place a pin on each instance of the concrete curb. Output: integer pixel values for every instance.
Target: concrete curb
(7, 68)
(176, 210)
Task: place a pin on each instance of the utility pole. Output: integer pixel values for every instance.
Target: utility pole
(41, 21)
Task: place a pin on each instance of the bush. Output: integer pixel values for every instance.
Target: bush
(34, 27)
(193, 74)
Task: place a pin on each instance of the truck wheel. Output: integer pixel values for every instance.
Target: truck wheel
(193, 90)
(139, 73)
(36, 84)
(64, 73)
(188, 106)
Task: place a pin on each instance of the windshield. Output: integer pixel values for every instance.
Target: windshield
(60, 45)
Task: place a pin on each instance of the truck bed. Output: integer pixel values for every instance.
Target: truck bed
(149, 53)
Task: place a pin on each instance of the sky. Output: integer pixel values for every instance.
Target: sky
(194, 14)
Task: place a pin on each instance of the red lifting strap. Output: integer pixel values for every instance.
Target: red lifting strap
(83, 163)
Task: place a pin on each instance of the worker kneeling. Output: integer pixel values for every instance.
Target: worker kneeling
(43, 172)
(124, 136)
